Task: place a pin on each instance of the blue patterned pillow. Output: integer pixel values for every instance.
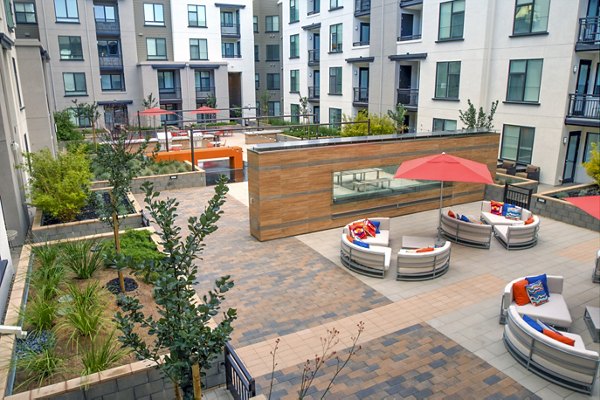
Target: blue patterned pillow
(536, 293)
(543, 278)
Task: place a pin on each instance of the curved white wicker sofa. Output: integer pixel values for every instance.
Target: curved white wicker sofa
(467, 233)
(413, 266)
(382, 238)
(573, 367)
(374, 261)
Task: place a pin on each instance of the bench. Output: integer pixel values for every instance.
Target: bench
(466, 233)
(373, 261)
(375, 183)
(413, 266)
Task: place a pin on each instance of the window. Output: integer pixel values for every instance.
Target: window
(316, 114)
(274, 108)
(335, 117)
(531, 16)
(335, 80)
(447, 80)
(196, 16)
(294, 47)
(66, 10)
(592, 137)
(74, 83)
(294, 14)
(154, 14)
(16, 73)
(256, 53)
(524, 80)
(25, 13)
(335, 38)
(273, 82)
(198, 49)
(204, 80)
(108, 48)
(452, 20)
(255, 24)
(166, 80)
(70, 48)
(335, 4)
(272, 52)
(105, 13)
(80, 121)
(230, 49)
(365, 34)
(314, 7)
(517, 143)
(295, 112)
(272, 23)
(157, 48)
(110, 82)
(256, 81)
(443, 125)
(294, 81)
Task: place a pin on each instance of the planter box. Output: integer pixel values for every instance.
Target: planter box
(265, 136)
(76, 229)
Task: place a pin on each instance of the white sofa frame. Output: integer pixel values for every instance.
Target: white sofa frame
(373, 261)
(466, 233)
(413, 266)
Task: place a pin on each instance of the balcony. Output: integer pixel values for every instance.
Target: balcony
(169, 94)
(589, 34)
(361, 96)
(108, 28)
(203, 93)
(313, 57)
(584, 110)
(409, 98)
(110, 62)
(362, 7)
(409, 37)
(314, 93)
(230, 30)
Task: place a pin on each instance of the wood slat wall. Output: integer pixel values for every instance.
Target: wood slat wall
(291, 191)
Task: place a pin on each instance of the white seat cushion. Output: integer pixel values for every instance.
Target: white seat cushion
(380, 239)
(555, 312)
(493, 219)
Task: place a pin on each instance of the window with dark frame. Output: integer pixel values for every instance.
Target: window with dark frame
(273, 52)
(294, 81)
(109, 48)
(25, 13)
(335, 4)
(531, 17)
(335, 38)
(452, 20)
(591, 137)
(157, 48)
(105, 13)
(112, 82)
(255, 24)
(274, 108)
(517, 143)
(204, 80)
(294, 46)
(198, 49)
(230, 49)
(66, 11)
(524, 81)
(256, 54)
(70, 48)
(335, 117)
(16, 73)
(74, 84)
(335, 80)
(443, 125)
(273, 82)
(295, 113)
(166, 80)
(447, 80)
(294, 13)
(196, 16)
(272, 23)
(256, 81)
(154, 14)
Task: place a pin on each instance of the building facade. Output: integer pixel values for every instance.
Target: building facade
(538, 58)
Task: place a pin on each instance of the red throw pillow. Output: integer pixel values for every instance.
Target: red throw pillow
(359, 233)
(496, 207)
(529, 220)
(350, 238)
(369, 228)
(424, 249)
(451, 214)
(559, 337)
(520, 293)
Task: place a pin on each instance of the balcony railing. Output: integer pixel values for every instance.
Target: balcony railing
(231, 55)
(110, 62)
(205, 92)
(589, 33)
(361, 43)
(108, 28)
(230, 30)
(408, 97)
(362, 7)
(409, 37)
(361, 95)
(584, 106)
(169, 93)
(313, 57)
(314, 92)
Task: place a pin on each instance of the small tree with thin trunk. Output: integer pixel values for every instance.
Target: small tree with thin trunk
(90, 112)
(474, 119)
(398, 116)
(150, 102)
(184, 327)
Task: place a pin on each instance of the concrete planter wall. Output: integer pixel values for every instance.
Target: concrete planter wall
(76, 229)
(181, 180)
(496, 191)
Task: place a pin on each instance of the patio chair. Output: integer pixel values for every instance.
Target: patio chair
(507, 168)
(531, 172)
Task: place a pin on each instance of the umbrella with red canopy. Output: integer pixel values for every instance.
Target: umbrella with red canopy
(444, 168)
(204, 110)
(589, 204)
(155, 111)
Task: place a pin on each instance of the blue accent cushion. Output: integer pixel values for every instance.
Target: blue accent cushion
(543, 278)
(531, 322)
(464, 218)
(505, 208)
(376, 223)
(536, 293)
(513, 212)
(361, 243)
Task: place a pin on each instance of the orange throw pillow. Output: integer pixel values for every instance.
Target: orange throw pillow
(529, 221)
(451, 214)
(520, 293)
(424, 249)
(559, 337)
(350, 238)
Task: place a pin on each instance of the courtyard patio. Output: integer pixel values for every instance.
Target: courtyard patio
(430, 339)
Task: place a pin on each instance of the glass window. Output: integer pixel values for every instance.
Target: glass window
(66, 10)
(230, 49)
(256, 81)
(294, 46)
(255, 24)
(70, 48)
(108, 48)
(335, 80)
(196, 16)
(274, 108)
(25, 13)
(447, 80)
(154, 14)
(333, 4)
(524, 80)
(335, 38)
(110, 82)
(365, 33)
(157, 48)
(74, 84)
(198, 49)
(314, 6)
(592, 137)
(443, 125)
(295, 81)
(272, 23)
(272, 52)
(256, 53)
(531, 16)
(204, 80)
(517, 143)
(166, 79)
(335, 117)
(273, 82)
(452, 20)
(294, 14)
(295, 113)
(105, 13)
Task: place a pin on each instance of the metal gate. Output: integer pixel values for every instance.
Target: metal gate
(517, 195)
(237, 378)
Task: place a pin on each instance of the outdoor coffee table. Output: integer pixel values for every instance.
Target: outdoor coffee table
(417, 242)
(592, 320)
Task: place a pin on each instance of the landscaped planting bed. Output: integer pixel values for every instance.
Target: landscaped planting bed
(550, 204)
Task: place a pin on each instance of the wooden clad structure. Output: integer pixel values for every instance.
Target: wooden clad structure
(290, 187)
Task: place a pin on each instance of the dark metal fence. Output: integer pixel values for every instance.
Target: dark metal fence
(237, 378)
(517, 195)
(589, 30)
(584, 106)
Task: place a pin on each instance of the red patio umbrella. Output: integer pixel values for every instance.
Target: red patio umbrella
(155, 111)
(444, 168)
(204, 110)
(589, 204)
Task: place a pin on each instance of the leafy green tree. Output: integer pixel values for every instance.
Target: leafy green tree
(592, 166)
(59, 186)
(211, 101)
(478, 119)
(380, 125)
(398, 116)
(183, 328)
(88, 111)
(65, 128)
(150, 102)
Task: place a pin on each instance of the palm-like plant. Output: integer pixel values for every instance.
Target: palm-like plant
(82, 258)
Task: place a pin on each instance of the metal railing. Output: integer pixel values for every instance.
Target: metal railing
(205, 92)
(314, 92)
(409, 37)
(361, 43)
(108, 28)
(314, 57)
(169, 93)
(110, 61)
(237, 378)
(230, 29)
(584, 106)
(227, 55)
(589, 31)
(408, 97)
(361, 95)
(362, 7)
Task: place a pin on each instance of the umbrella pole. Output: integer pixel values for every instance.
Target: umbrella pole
(166, 137)
(139, 125)
(440, 211)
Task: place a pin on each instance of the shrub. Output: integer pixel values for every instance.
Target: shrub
(81, 257)
(139, 250)
(39, 366)
(40, 313)
(83, 311)
(59, 186)
(45, 255)
(592, 166)
(101, 353)
(380, 125)
(65, 128)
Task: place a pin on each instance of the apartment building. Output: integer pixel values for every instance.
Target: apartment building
(538, 58)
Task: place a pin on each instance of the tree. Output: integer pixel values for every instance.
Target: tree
(398, 115)
(150, 102)
(592, 166)
(263, 98)
(88, 111)
(474, 120)
(304, 108)
(65, 128)
(183, 328)
(379, 125)
(121, 162)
